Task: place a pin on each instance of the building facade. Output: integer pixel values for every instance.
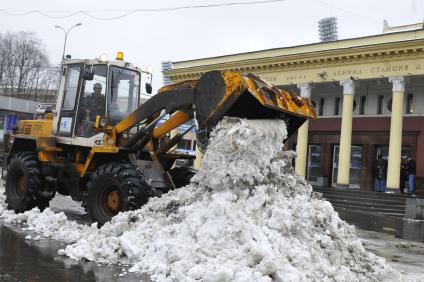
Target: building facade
(369, 94)
(12, 110)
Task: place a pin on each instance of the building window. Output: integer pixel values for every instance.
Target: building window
(383, 150)
(380, 104)
(362, 103)
(410, 103)
(337, 106)
(321, 107)
(389, 105)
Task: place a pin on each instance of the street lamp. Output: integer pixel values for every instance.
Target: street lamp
(66, 36)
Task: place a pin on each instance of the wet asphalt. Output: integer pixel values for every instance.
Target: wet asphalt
(27, 260)
(37, 260)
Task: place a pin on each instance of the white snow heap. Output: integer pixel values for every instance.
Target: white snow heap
(245, 216)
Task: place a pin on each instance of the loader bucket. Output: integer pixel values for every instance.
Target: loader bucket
(227, 93)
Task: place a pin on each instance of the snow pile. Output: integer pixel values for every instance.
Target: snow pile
(49, 224)
(246, 216)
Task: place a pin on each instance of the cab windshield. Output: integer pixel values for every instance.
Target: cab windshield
(124, 93)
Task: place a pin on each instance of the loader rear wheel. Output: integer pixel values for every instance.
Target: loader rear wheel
(24, 182)
(116, 187)
(181, 175)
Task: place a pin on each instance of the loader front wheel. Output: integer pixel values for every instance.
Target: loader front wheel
(24, 181)
(116, 187)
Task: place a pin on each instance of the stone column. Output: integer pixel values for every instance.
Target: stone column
(343, 173)
(395, 145)
(302, 136)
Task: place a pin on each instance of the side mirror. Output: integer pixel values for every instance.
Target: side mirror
(87, 75)
(148, 88)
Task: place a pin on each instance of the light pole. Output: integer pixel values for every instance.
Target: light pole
(66, 36)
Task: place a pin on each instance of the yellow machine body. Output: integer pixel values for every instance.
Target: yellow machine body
(213, 96)
(139, 144)
(35, 128)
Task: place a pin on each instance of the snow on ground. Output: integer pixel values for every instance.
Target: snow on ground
(246, 216)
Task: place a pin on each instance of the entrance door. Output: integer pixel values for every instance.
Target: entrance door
(314, 164)
(355, 166)
(384, 152)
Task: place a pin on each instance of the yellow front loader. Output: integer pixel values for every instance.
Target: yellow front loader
(112, 152)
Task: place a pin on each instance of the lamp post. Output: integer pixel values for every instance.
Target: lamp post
(66, 36)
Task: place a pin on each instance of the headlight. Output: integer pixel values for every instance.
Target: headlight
(103, 57)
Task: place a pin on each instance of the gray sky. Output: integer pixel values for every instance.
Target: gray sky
(148, 38)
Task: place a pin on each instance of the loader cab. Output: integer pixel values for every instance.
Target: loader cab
(92, 89)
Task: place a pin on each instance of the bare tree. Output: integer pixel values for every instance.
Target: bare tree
(25, 71)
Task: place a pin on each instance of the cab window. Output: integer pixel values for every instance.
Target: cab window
(124, 93)
(92, 102)
(71, 88)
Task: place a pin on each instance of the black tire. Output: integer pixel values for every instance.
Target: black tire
(181, 175)
(116, 187)
(24, 182)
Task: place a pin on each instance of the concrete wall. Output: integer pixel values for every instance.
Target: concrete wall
(17, 105)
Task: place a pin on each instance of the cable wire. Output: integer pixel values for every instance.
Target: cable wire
(89, 13)
(130, 12)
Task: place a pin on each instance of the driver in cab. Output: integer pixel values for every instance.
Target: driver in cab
(95, 103)
(91, 106)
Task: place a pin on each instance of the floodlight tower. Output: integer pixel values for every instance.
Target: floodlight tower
(328, 29)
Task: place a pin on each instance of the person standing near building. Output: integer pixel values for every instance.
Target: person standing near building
(402, 177)
(411, 171)
(380, 169)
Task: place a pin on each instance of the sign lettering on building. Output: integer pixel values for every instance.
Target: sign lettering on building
(269, 78)
(42, 107)
(389, 68)
(347, 72)
(358, 71)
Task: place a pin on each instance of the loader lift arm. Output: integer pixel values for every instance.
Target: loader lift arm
(214, 95)
(176, 102)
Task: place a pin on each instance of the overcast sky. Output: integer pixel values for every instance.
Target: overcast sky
(148, 38)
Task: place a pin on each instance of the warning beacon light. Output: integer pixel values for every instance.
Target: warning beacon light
(120, 56)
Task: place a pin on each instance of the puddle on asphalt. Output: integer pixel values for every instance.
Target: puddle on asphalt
(29, 260)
